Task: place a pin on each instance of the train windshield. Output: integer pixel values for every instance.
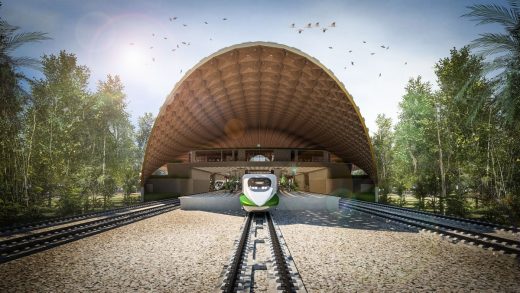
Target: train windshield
(262, 183)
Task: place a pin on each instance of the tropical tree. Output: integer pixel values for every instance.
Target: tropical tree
(504, 51)
(13, 99)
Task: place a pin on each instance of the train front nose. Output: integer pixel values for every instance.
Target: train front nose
(259, 190)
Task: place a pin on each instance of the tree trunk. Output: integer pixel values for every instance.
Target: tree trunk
(104, 156)
(441, 166)
(414, 162)
(28, 162)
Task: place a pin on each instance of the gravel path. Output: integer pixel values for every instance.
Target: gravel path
(350, 251)
(179, 251)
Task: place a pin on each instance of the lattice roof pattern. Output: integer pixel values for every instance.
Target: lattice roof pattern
(259, 94)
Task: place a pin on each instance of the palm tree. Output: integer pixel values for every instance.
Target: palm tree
(10, 40)
(13, 100)
(503, 49)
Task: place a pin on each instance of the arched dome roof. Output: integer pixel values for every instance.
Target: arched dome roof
(254, 94)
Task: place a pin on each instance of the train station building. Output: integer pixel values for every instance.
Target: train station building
(255, 107)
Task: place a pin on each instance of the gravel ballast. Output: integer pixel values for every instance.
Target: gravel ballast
(351, 251)
(179, 251)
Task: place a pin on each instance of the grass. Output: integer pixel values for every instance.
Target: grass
(364, 196)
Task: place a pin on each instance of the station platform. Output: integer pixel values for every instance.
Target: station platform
(293, 201)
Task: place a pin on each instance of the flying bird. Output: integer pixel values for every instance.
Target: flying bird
(178, 46)
(184, 24)
(309, 25)
(330, 47)
(173, 18)
(324, 29)
(131, 44)
(184, 43)
(352, 62)
(350, 51)
(224, 18)
(382, 46)
(165, 38)
(153, 35)
(210, 39)
(293, 25)
(206, 22)
(317, 24)
(151, 47)
(333, 24)
(372, 53)
(405, 63)
(181, 70)
(300, 31)
(153, 59)
(364, 42)
(387, 47)
(173, 50)
(379, 74)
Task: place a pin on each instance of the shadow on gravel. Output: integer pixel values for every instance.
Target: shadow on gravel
(343, 218)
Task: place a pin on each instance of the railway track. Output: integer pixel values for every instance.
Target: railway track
(17, 247)
(261, 261)
(15, 229)
(511, 229)
(485, 235)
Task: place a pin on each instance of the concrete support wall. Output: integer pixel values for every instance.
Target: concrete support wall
(335, 179)
(200, 181)
(363, 184)
(300, 179)
(339, 186)
(168, 185)
(318, 181)
(179, 170)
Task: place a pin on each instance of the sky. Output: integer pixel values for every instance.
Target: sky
(135, 40)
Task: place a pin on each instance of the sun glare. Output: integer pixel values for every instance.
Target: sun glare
(133, 59)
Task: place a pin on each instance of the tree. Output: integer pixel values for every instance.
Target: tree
(504, 50)
(144, 129)
(58, 126)
(13, 98)
(383, 142)
(117, 151)
(504, 114)
(461, 82)
(415, 141)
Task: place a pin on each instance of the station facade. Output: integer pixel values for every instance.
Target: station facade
(256, 107)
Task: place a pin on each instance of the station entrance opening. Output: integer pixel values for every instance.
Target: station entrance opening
(259, 106)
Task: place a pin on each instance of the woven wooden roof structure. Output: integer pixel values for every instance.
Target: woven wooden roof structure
(259, 94)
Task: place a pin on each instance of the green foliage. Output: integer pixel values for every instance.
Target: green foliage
(382, 141)
(144, 129)
(454, 144)
(503, 49)
(77, 145)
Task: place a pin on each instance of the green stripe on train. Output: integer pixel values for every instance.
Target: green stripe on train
(247, 202)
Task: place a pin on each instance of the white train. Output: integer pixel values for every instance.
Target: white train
(259, 192)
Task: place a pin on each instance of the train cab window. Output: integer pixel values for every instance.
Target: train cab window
(259, 183)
